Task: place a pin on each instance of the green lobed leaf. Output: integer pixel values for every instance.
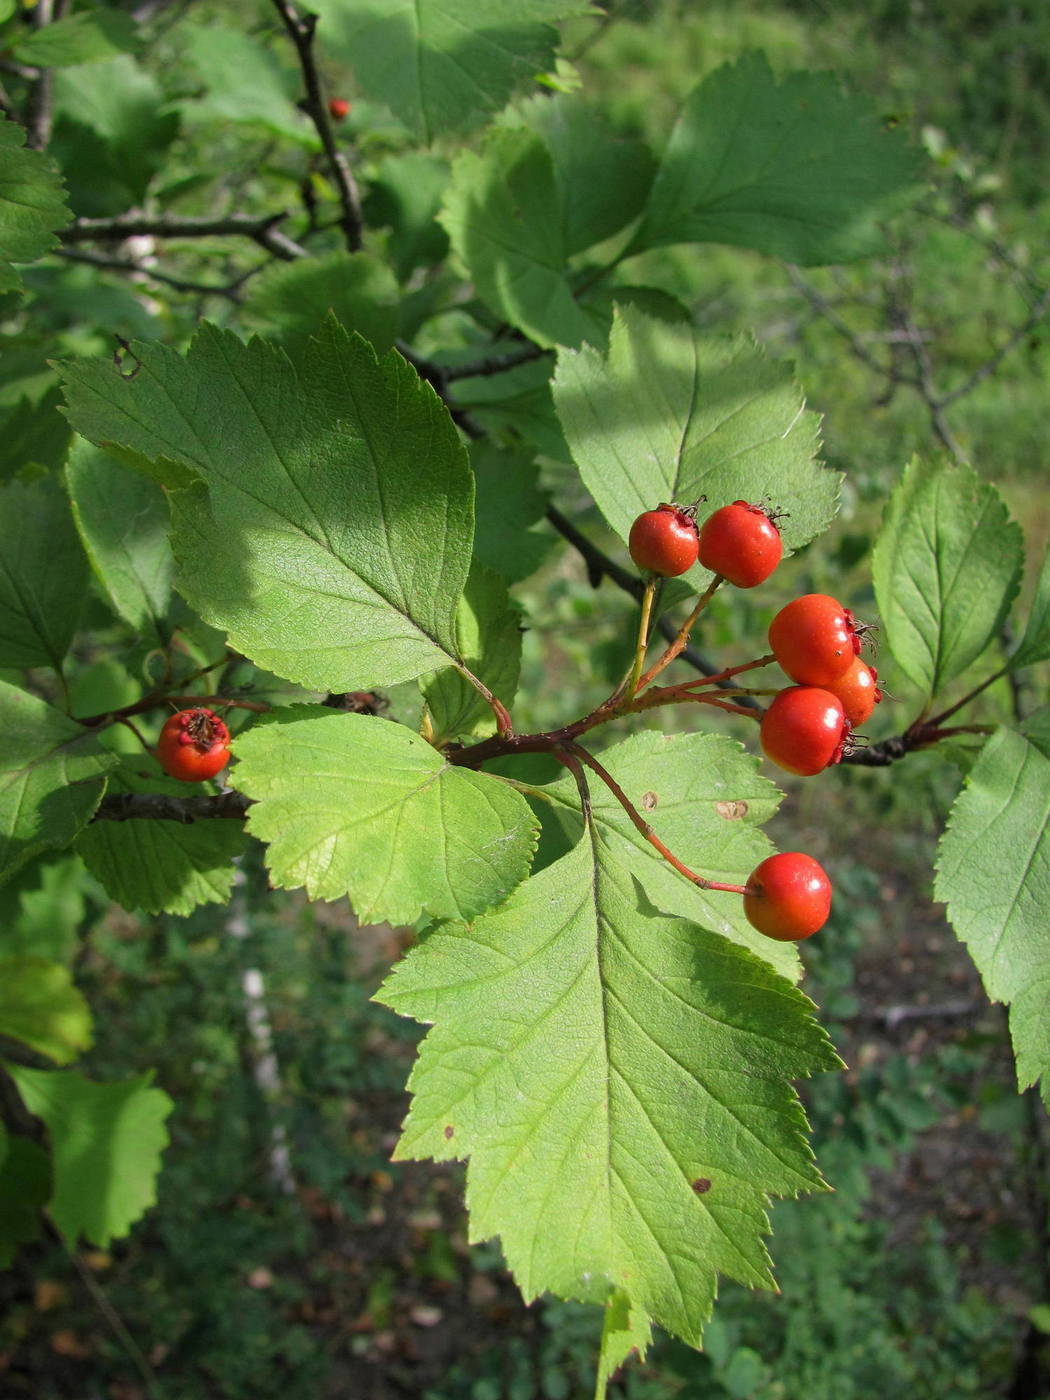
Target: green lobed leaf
(602, 178)
(670, 415)
(158, 866)
(114, 131)
(41, 908)
(946, 567)
(32, 204)
(705, 798)
(43, 574)
(81, 38)
(626, 1329)
(444, 66)
(508, 503)
(25, 1185)
(993, 873)
(489, 634)
(33, 433)
(798, 170)
(517, 401)
(334, 537)
(405, 195)
(619, 1080)
(106, 1143)
(123, 520)
(291, 300)
(52, 776)
(1035, 644)
(502, 212)
(359, 806)
(40, 1007)
(246, 84)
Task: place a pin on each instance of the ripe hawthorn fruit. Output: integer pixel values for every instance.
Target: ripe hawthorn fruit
(338, 108)
(193, 745)
(665, 541)
(742, 543)
(788, 897)
(858, 690)
(814, 638)
(804, 729)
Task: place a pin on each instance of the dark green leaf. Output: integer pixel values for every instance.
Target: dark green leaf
(32, 204)
(797, 170)
(946, 568)
(993, 872)
(106, 1141)
(43, 574)
(443, 66)
(123, 521)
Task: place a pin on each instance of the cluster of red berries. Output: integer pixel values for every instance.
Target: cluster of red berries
(809, 725)
(193, 745)
(741, 542)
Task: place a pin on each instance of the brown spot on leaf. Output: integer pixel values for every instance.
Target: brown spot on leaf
(449, 1130)
(731, 811)
(701, 1184)
(649, 800)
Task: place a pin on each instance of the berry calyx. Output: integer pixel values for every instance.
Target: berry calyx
(338, 108)
(804, 730)
(814, 638)
(193, 745)
(858, 690)
(665, 541)
(787, 897)
(742, 543)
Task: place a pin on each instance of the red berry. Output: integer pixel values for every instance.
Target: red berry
(815, 639)
(858, 690)
(664, 541)
(742, 543)
(788, 896)
(338, 108)
(804, 729)
(193, 745)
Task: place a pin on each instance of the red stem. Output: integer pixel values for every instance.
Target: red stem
(643, 826)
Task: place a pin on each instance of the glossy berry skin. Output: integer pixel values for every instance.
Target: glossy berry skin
(858, 690)
(338, 108)
(742, 543)
(193, 745)
(804, 730)
(814, 638)
(788, 897)
(664, 541)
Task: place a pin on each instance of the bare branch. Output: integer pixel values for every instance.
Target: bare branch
(261, 231)
(40, 99)
(181, 284)
(301, 29)
(128, 806)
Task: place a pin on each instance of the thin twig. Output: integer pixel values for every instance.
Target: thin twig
(40, 98)
(301, 29)
(262, 231)
(494, 364)
(984, 371)
(231, 292)
(642, 825)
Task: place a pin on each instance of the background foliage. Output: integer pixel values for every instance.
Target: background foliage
(287, 1250)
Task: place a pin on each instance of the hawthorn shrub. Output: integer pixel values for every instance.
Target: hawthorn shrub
(306, 521)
